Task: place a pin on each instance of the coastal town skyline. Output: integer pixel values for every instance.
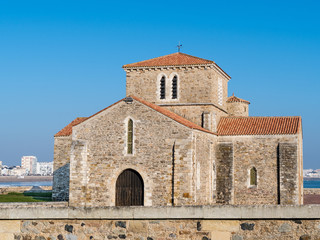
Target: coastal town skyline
(59, 63)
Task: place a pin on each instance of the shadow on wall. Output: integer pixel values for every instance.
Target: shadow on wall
(60, 186)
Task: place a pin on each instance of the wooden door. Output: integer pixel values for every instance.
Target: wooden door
(129, 189)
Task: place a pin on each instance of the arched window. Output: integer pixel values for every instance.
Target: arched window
(253, 176)
(163, 87)
(129, 189)
(175, 87)
(130, 137)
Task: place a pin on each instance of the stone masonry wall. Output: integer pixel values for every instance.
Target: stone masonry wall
(238, 109)
(61, 171)
(53, 221)
(99, 155)
(204, 168)
(224, 173)
(195, 85)
(260, 152)
(288, 179)
(159, 229)
(194, 114)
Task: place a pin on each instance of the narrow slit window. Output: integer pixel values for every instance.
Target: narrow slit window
(253, 176)
(130, 137)
(163, 88)
(175, 87)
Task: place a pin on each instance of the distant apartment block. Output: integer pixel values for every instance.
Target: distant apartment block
(30, 164)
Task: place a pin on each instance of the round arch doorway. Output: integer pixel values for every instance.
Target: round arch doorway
(129, 189)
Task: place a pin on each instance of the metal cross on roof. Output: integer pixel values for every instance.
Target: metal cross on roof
(179, 46)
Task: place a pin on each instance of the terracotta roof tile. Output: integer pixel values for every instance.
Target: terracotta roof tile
(170, 60)
(67, 130)
(229, 126)
(233, 98)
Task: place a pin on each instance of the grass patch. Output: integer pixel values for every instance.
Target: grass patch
(26, 197)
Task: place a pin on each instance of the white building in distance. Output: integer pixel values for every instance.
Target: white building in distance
(44, 168)
(30, 164)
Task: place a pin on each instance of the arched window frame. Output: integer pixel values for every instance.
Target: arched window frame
(130, 136)
(174, 76)
(174, 88)
(162, 86)
(253, 177)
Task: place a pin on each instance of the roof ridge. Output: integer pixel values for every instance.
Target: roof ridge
(196, 57)
(261, 117)
(67, 130)
(233, 97)
(167, 55)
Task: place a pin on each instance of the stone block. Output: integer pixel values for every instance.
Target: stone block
(7, 236)
(138, 227)
(215, 225)
(217, 235)
(9, 227)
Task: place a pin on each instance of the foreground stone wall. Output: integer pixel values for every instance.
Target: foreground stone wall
(314, 191)
(159, 229)
(197, 223)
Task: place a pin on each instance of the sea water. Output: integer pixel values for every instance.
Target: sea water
(25, 184)
(306, 184)
(311, 184)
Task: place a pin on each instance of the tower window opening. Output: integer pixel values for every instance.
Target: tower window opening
(175, 87)
(163, 88)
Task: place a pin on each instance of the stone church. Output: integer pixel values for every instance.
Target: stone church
(178, 139)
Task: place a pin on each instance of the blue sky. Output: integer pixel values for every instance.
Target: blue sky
(62, 59)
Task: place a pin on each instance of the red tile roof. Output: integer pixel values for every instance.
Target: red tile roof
(233, 98)
(229, 126)
(67, 130)
(170, 60)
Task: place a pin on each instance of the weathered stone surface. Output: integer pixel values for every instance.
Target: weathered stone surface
(215, 235)
(7, 236)
(10, 226)
(68, 228)
(138, 227)
(286, 227)
(247, 226)
(224, 156)
(171, 229)
(223, 225)
(61, 168)
(288, 167)
(121, 224)
(305, 237)
(237, 237)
